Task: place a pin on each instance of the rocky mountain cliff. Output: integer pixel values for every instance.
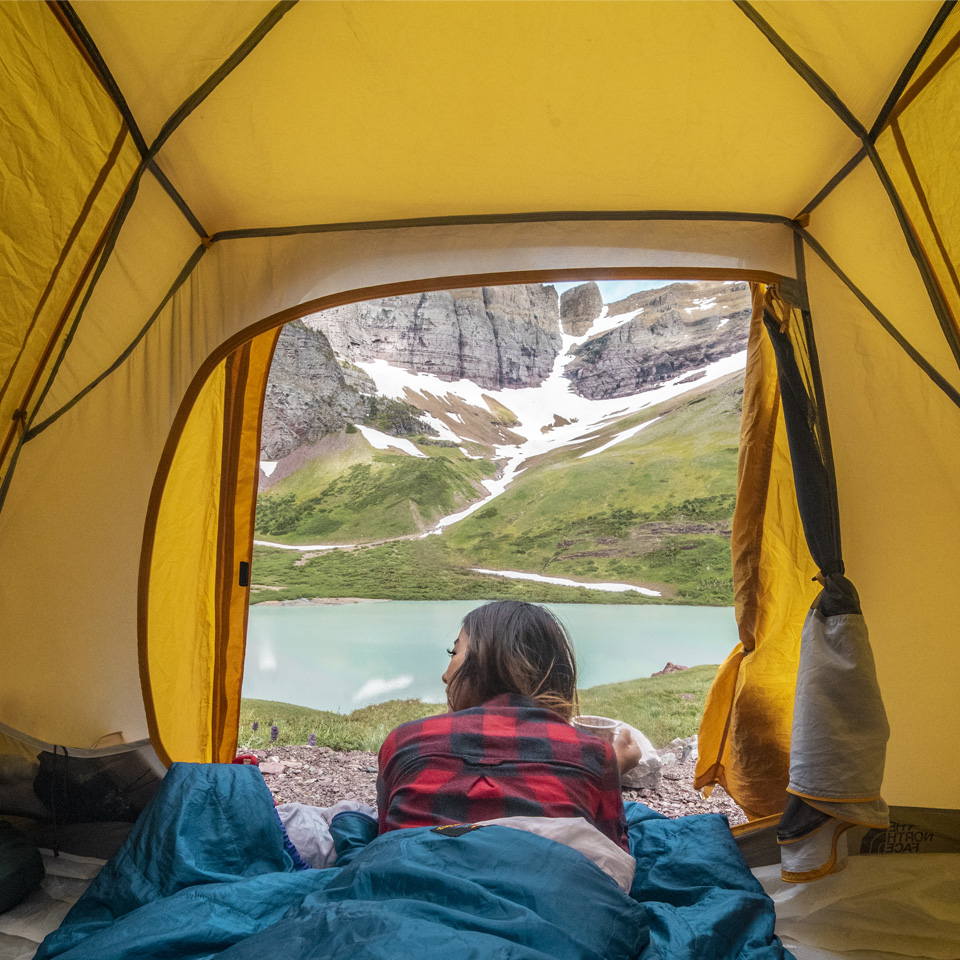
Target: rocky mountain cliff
(308, 395)
(679, 327)
(496, 336)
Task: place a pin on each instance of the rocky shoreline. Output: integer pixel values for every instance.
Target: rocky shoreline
(321, 777)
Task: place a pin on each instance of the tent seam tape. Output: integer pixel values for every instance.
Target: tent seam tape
(927, 274)
(911, 66)
(175, 286)
(74, 27)
(8, 476)
(123, 211)
(99, 253)
(935, 376)
(834, 182)
(826, 93)
(502, 218)
(813, 80)
(924, 80)
(95, 190)
(177, 198)
(887, 108)
(247, 46)
(912, 173)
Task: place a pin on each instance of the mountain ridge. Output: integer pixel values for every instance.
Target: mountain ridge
(500, 338)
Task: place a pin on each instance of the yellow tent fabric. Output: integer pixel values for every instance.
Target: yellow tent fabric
(181, 178)
(744, 742)
(195, 611)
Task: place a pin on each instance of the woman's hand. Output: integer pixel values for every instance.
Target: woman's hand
(626, 749)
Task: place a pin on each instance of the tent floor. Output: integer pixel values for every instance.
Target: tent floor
(23, 928)
(906, 901)
(880, 907)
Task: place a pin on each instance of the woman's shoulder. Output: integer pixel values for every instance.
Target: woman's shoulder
(438, 723)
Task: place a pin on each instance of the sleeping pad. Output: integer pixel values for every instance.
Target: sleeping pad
(204, 874)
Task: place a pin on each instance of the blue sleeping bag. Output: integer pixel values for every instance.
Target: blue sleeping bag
(204, 874)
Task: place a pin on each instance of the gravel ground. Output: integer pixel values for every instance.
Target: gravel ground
(321, 776)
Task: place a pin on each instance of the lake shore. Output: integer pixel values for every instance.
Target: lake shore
(325, 653)
(318, 601)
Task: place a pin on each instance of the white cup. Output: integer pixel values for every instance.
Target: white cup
(602, 727)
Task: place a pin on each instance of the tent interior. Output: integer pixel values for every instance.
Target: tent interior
(182, 178)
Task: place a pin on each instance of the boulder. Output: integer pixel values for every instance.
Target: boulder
(669, 668)
(647, 773)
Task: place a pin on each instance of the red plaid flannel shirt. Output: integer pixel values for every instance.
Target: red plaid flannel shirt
(506, 758)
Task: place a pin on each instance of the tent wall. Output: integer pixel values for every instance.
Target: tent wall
(48, 255)
(194, 591)
(899, 485)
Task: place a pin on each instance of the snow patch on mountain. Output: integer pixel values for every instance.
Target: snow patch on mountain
(537, 407)
(626, 435)
(383, 441)
(564, 582)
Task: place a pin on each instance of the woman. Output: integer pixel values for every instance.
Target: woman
(506, 747)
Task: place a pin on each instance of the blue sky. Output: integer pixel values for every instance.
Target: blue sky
(613, 290)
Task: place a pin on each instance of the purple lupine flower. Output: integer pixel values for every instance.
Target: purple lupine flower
(312, 740)
(255, 726)
(274, 733)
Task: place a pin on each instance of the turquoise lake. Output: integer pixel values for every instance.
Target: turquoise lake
(347, 656)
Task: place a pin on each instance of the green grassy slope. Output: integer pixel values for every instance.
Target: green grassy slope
(654, 509)
(317, 474)
(407, 570)
(662, 707)
(369, 495)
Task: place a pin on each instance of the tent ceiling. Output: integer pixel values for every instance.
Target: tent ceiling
(858, 48)
(160, 52)
(382, 110)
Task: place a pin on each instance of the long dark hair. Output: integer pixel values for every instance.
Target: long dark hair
(520, 648)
